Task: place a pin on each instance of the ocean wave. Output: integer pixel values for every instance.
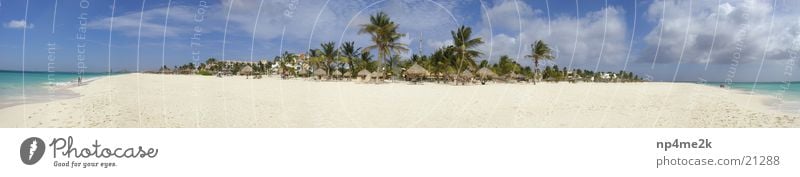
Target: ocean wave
(71, 83)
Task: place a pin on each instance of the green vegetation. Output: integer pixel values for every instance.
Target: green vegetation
(450, 63)
(539, 51)
(465, 48)
(384, 35)
(205, 73)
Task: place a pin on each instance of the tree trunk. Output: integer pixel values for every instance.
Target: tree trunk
(535, 70)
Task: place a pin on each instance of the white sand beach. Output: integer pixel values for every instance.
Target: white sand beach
(150, 100)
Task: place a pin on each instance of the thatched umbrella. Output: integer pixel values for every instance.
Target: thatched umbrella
(247, 70)
(377, 75)
(303, 72)
(416, 71)
(363, 73)
(485, 74)
(466, 74)
(337, 73)
(348, 75)
(320, 73)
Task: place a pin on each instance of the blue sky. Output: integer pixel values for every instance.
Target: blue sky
(740, 40)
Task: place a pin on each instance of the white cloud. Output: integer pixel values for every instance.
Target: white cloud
(18, 24)
(338, 20)
(567, 35)
(152, 22)
(435, 44)
(744, 29)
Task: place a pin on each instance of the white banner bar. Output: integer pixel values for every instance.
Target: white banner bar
(404, 152)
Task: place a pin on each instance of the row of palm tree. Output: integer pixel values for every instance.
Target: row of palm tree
(444, 64)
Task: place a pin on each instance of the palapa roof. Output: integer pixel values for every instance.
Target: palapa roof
(416, 70)
(466, 74)
(246, 69)
(320, 72)
(347, 74)
(337, 73)
(486, 72)
(363, 72)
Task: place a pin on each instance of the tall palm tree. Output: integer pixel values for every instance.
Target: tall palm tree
(330, 53)
(350, 52)
(383, 32)
(539, 51)
(464, 47)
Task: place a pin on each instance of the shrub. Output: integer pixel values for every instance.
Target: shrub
(205, 73)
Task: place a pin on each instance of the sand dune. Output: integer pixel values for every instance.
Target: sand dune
(148, 100)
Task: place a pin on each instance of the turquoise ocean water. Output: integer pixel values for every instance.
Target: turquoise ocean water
(39, 86)
(787, 93)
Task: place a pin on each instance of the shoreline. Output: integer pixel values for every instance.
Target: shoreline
(207, 101)
(47, 93)
(771, 101)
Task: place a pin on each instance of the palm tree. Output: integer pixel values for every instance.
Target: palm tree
(330, 53)
(211, 60)
(350, 52)
(505, 65)
(315, 59)
(442, 62)
(365, 61)
(383, 32)
(483, 64)
(289, 59)
(213, 63)
(539, 51)
(464, 44)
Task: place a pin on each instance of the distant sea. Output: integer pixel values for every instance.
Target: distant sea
(39, 86)
(788, 93)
